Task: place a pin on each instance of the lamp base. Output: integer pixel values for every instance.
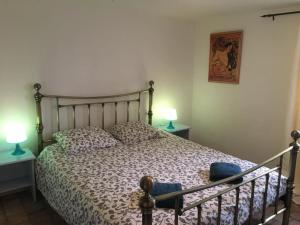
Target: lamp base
(18, 150)
(170, 126)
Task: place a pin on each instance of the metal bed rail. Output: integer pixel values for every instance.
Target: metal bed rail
(147, 202)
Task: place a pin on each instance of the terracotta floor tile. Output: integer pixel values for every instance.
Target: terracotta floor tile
(12, 206)
(14, 211)
(294, 222)
(3, 220)
(31, 207)
(16, 220)
(40, 217)
(26, 223)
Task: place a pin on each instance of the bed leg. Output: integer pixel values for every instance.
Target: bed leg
(290, 182)
(146, 202)
(287, 212)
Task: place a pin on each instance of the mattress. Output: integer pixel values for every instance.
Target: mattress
(102, 187)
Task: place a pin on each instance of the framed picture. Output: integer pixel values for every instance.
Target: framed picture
(225, 57)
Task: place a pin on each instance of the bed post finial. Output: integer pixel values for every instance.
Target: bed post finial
(37, 96)
(290, 181)
(151, 83)
(147, 202)
(39, 124)
(295, 135)
(151, 90)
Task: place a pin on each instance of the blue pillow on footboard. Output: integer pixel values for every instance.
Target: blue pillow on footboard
(165, 188)
(222, 170)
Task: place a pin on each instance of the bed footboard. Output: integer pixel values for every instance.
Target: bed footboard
(147, 202)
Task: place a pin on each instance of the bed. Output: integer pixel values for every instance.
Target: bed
(102, 187)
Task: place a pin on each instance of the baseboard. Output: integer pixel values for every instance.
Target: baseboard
(296, 197)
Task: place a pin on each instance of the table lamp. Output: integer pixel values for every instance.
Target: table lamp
(171, 115)
(16, 135)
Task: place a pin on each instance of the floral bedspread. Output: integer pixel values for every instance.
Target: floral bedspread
(102, 187)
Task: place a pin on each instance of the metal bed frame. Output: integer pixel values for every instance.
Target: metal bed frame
(147, 202)
(100, 100)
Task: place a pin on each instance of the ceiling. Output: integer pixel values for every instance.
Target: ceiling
(195, 8)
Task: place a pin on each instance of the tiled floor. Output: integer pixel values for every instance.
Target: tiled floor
(294, 219)
(18, 209)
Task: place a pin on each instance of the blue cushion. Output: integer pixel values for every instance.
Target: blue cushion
(222, 170)
(165, 188)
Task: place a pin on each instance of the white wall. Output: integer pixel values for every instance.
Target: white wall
(88, 48)
(296, 117)
(250, 120)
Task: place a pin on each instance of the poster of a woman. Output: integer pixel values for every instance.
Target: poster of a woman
(225, 57)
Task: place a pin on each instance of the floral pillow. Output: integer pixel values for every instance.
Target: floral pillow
(134, 132)
(74, 141)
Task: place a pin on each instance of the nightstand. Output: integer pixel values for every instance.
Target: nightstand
(17, 172)
(180, 130)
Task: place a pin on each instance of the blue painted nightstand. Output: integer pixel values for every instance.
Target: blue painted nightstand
(180, 130)
(17, 172)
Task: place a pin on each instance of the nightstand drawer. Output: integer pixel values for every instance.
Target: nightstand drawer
(15, 185)
(12, 171)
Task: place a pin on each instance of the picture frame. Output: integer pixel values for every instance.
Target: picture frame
(225, 57)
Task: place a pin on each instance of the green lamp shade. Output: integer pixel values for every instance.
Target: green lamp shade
(15, 134)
